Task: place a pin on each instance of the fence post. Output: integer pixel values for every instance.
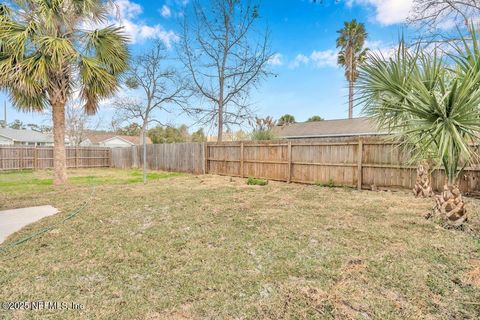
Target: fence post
(76, 157)
(22, 163)
(359, 164)
(289, 177)
(241, 160)
(134, 154)
(110, 157)
(205, 157)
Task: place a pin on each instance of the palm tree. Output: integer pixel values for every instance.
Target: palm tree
(351, 40)
(314, 118)
(286, 119)
(46, 55)
(433, 108)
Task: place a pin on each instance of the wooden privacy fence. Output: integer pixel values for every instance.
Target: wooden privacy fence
(18, 158)
(358, 164)
(361, 163)
(181, 157)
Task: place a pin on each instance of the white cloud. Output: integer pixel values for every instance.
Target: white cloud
(389, 50)
(326, 58)
(127, 9)
(387, 12)
(165, 11)
(276, 60)
(299, 60)
(127, 13)
(447, 24)
(318, 58)
(377, 46)
(139, 32)
(173, 8)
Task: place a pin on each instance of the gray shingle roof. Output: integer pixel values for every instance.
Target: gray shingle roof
(25, 135)
(100, 137)
(329, 128)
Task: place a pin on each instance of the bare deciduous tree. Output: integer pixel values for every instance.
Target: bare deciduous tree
(161, 86)
(225, 56)
(436, 17)
(77, 122)
(132, 109)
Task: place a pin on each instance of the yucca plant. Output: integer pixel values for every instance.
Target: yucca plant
(431, 102)
(47, 55)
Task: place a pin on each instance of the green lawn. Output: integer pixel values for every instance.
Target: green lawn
(209, 247)
(28, 180)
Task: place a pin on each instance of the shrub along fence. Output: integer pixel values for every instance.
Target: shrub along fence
(19, 157)
(359, 163)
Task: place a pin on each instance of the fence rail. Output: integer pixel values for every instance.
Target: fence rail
(360, 164)
(18, 158)
(181, 157)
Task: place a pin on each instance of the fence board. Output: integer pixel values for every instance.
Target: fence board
(180, 157)
(20, 158)
(349, 163)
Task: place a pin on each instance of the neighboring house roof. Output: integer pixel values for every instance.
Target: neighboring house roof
(329, 128)
(25, 135)
(102, 137)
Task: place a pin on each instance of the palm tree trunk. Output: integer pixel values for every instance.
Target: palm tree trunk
(350, 99)
(423, 186)
(59, 157)
(450, 205)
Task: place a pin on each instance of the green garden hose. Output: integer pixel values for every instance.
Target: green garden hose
(69, 216)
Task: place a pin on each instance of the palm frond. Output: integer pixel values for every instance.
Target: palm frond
(5, 10)
(108, 45)
(350, 41)
(59, 50)
(430, 107)
(45, 53)
(97, 83)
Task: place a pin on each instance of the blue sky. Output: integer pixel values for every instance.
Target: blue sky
(303, 35)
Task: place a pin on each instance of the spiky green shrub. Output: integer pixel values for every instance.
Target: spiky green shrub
(431, 102)
(256, 181)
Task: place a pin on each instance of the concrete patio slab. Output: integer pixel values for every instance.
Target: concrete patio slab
(15, 219)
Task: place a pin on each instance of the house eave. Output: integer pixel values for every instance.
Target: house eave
(2, 135)
(338, 135)
(129, 142)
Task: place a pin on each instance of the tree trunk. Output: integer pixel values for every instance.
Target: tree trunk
(423, 186)
(350, 99)
(450, 206)
(220, 124)
(59, 157)
(141, 136)
(144, 157)
(143, 141)
(350, 79)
